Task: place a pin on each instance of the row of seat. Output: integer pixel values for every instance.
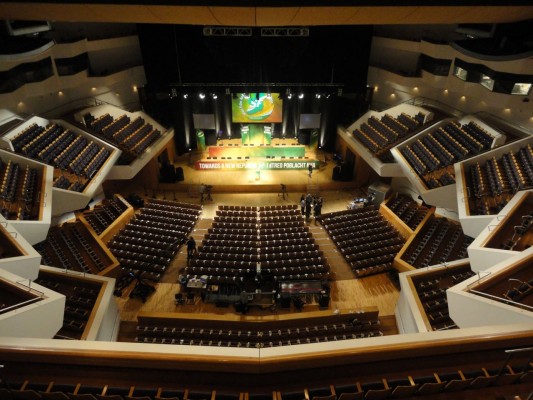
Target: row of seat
(189, 208)
(18, 191)
(408, 210)
(348, 232)
(135, 136)
(444, 179)
(432, 294)
(383, 129)
(439, 241)
(447, 144)
(353, 222)
(347, 215)
(101, 216)
(509, 173)
(26, 135)
(79, 303)
(147, 244)
(430, 384)
(411, 122)
(67, 247)
(381, 134)
(62, 182)
(10, 178)
(365, 239)
(224, 247)
(63, 149)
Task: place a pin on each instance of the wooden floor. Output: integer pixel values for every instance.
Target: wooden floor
(243, 187)
(347, 293)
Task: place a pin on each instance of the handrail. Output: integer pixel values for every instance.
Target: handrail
(19, 305)
(504, 121)
(502, 300)
(30, 289)
(85, 101)
(479, 278)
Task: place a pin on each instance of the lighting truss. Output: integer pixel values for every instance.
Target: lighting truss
(285, 32)
(227, 31)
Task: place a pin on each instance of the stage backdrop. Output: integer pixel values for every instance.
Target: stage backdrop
(256, 165)
(256, 108)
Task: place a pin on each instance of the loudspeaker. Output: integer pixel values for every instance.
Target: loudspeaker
(337, 173)
(378, 191)
(323, 301)
(179, 174)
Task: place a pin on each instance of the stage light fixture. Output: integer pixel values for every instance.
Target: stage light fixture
(269, 95)
(301, 96)
(202, 95)
(289, 96)
(215, 96)
(185, 95)
(317, 95)
(246, 95)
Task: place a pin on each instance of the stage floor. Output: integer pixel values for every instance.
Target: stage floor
(251, 180)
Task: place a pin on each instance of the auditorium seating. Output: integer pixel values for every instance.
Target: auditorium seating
(149, 242)
(273, 237)
(132, 137)
(379, 135)
(75, 155)
(80, 299)
(365, 239)
(71, 247)
(431, 290)
(19, 191)
(102, 215)
(440, 240)
(480, 382)
(492, 184)
(431, 155)
(407, 210)
(270, 333)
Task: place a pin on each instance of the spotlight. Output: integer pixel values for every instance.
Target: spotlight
(215, 96)
(301, 96)
(289, 96)
(202, 95)
(185, 95)
(317, 95)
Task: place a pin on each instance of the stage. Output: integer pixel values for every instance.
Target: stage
(232, 167)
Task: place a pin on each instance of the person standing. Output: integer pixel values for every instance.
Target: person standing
(310, 168)
(308, 207)
(302, 204)
(202, 191)
(191, 248)
(318, 208)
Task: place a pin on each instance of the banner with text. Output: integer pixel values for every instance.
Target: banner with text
(255, 165)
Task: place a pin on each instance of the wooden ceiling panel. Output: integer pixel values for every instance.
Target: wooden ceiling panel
(186, 15)
(386, 15)
(234, 16)
(276, 16)
(47, 12)
(305, 16)
(123, 13)
(263, 16)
